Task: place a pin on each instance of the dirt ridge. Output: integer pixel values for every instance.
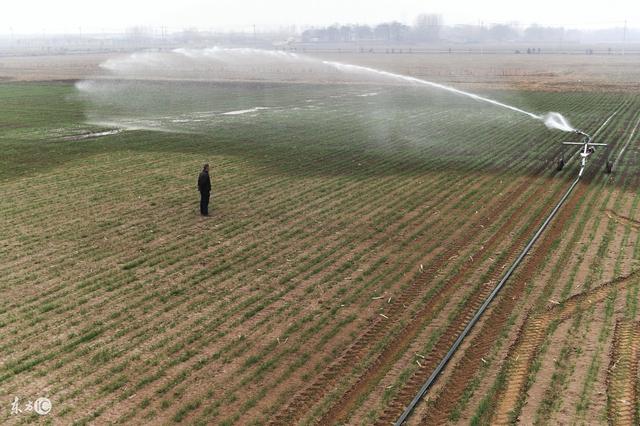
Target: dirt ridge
(622, 374)
(526, 348)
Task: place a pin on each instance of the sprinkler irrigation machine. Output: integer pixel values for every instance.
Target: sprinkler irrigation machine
(587, 148)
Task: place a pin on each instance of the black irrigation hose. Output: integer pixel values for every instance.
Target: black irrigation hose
(434, 375)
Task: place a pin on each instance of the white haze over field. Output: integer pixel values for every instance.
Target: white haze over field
(74, 16)
(255, 65)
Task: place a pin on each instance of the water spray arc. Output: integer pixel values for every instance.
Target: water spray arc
(213, 64)
(552, 120)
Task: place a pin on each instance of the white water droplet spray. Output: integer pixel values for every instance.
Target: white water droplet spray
(554, 120)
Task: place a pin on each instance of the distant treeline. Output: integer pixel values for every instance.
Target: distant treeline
(426, 28)
(430, 28)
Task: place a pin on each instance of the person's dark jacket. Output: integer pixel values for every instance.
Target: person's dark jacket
(204, 183)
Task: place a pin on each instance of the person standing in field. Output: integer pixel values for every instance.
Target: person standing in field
(204, 186)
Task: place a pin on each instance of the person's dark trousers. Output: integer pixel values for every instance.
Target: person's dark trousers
(204, 203)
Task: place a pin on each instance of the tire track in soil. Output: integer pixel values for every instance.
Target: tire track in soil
(489, 331)
(623, 219)
(343, 407)
(622, 374)
(533, 333)
(375, 332)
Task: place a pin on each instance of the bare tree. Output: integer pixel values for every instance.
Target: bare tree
(427, 27)
(502, 32)
(382, 32)
(363, 32)
(398, 31)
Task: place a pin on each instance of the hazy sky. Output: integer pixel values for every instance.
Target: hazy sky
(54, 16)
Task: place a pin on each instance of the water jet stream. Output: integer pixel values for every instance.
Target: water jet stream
(552, 120)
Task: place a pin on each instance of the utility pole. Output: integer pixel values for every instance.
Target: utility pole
(624, 37)
(254, 34)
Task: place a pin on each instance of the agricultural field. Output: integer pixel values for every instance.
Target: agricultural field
(355, 230)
